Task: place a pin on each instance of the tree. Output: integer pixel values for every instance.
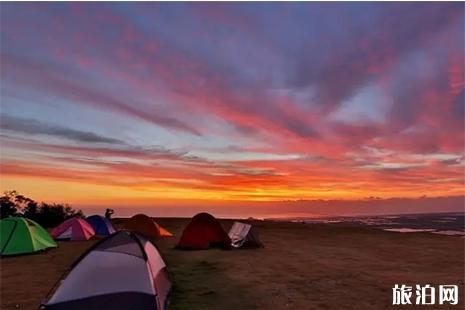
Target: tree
(47, 215)
(8, 204)
(53, 214)
(32, 210)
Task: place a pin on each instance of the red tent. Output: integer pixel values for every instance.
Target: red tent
(73, 229)
(204, 231)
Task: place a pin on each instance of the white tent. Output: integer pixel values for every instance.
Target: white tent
(123, 271)
(244, 235)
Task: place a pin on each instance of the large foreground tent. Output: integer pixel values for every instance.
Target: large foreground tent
(244, 236)
(75, 229)
(144, 225)
(101, 225)
(23, 236)
(204, 231)
(122, 271)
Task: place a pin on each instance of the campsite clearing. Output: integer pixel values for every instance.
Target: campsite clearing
(302, 266)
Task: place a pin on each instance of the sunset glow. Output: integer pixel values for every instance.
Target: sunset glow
(174, 103)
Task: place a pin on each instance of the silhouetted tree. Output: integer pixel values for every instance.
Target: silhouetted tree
(8, 205)
(47, 215)
(51, 215)
(32, 211)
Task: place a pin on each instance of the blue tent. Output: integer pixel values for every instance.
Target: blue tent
(101, 225)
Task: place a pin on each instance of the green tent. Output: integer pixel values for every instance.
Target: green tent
(22, 236)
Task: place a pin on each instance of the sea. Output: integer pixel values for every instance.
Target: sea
(451, 224)
(446, 223)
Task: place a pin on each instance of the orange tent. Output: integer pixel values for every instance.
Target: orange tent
(144, 225)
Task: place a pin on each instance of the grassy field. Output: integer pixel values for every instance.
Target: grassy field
(302, 266)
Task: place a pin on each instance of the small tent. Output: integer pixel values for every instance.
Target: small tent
(23, 236)
(101, 225)
(204, 231)
(122, 271)
(144, 225)
(244, 236)
(74, 229)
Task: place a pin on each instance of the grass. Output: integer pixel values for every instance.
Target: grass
(301, 267)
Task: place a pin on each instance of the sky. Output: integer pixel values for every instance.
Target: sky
(232, 104)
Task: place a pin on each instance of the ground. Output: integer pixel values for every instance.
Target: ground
(303, 266)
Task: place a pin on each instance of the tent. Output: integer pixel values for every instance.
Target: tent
(101, 225)
(204, 231)
(244, 236)
(144, 225)
(75, 229)
(22, 236)
(122, 271)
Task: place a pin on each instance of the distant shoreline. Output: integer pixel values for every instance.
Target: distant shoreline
(446, 223)
(319, 217)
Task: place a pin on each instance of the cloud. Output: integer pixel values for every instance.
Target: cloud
(121, 151)
(262, 79)
(33, 127)
(53, 80)
(387, 166)
(357, 59)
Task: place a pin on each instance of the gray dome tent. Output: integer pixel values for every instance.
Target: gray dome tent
(122, 271)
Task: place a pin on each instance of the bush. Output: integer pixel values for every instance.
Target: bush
(47, 215)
